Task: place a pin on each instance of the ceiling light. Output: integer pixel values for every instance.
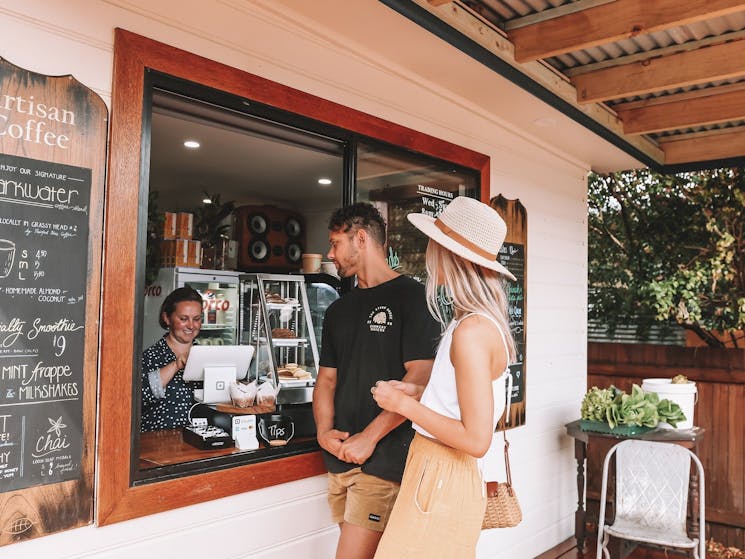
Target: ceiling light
(191, 144)
(324, 181)
(206, 201)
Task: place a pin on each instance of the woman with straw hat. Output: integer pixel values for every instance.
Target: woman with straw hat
(440, 506)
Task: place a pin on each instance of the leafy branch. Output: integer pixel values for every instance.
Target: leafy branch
(668, 248)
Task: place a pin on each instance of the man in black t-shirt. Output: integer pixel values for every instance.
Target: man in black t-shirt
(380, 330)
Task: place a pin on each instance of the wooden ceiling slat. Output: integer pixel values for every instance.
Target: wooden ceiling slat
(656, 53)
(438, 2)
(684, 113)
(717, 62)
(724, 145)
(612, 22)
(692, 94)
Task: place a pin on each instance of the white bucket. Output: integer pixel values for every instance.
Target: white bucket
(682, 394)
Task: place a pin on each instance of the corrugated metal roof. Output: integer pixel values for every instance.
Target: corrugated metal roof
(507, 15)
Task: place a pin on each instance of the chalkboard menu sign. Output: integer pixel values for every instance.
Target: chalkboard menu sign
(43, 265)
(513, 256)
(52, 170)
(407, 248)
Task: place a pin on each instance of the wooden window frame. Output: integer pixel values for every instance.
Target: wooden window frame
(117, 498)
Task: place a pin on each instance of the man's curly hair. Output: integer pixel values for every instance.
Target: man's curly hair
(359, 216)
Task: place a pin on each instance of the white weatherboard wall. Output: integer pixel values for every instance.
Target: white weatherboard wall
(269, 39)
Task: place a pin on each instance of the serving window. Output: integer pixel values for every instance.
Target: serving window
(271, 146)
(234, 189)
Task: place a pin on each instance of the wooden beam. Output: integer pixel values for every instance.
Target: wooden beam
(675, 48)
(692, 94)
(612, 22)
(717, 62)
(723, 144)
(685, 113)
(438, 2)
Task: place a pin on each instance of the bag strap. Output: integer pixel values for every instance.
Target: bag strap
(508, 401)
(504, 434)
(492, 487)
(507, 462)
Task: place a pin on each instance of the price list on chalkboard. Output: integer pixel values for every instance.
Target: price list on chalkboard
(43, 271)
(512, 257)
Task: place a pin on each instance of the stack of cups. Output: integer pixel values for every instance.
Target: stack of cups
(311, 263)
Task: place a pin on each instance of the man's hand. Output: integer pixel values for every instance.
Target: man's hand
(331, 441)
(357, 448)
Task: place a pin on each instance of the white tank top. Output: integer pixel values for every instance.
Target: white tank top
(441, 394)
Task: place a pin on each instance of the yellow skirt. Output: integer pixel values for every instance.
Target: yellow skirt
(440, 507)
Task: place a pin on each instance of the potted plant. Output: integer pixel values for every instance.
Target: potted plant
(610, 410)
(210, 227)
(154, 235)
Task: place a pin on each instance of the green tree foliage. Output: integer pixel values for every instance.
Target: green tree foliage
(668, 248)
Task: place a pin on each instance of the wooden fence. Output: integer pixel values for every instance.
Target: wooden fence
(720, 380)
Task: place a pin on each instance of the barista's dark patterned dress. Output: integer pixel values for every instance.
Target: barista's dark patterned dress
(163, 409)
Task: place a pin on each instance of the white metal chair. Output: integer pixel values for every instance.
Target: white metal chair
(652, 480)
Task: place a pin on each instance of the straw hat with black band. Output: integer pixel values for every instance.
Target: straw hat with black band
(468, 228)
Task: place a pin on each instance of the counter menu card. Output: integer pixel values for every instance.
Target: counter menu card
(43, 271)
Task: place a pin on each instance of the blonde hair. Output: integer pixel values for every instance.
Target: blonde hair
(471, 289)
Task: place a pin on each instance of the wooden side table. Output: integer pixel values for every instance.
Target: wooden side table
(689, 438)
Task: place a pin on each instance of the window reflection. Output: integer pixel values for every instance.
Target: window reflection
(400, 182)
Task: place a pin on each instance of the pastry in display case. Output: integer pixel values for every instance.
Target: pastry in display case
(276, 320)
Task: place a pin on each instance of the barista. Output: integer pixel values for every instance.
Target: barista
(166, 398)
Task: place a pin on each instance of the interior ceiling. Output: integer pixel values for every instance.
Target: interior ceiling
(244, 166)
(240, 167)
(663, 79)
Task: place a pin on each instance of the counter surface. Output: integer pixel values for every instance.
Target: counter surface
(167, 447)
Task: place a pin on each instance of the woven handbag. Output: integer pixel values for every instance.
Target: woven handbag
(502, 508)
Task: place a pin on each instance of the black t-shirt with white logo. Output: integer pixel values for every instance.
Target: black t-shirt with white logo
(368, 335)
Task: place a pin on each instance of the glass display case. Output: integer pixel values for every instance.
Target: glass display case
(276, 320)
(323, 289)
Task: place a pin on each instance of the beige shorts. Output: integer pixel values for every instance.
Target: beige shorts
(361, 499)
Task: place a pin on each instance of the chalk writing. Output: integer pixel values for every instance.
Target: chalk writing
(43, 264)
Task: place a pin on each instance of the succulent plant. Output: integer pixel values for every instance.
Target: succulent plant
(615, 407)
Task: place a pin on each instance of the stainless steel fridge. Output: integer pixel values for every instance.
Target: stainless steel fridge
(220, 303)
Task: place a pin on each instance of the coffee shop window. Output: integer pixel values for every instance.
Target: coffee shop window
(399, 182)
(234, 190)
